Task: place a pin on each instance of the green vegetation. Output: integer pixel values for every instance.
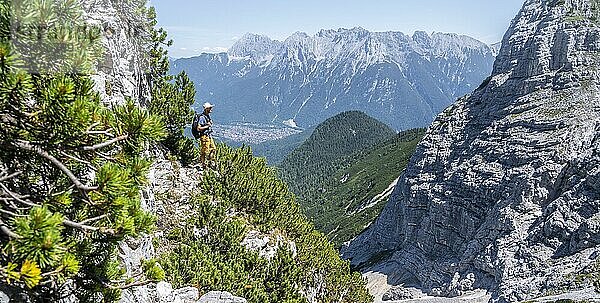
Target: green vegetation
(367, 175)
(70, 167)
(244, 194)
(71, 171)
(575, 18)
(172, 96)
(348, 161)
(324, 152)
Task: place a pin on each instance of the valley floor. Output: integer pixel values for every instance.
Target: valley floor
(378, 286)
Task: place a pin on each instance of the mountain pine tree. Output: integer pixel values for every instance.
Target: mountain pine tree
(241, 195)
(70, 168)
(172, 96)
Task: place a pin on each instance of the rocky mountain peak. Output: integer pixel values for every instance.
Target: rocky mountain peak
(357, 32)
(256, 47)
(422, 39)
(458, 46)
(298, 40)
(556, 24)
(505, 187)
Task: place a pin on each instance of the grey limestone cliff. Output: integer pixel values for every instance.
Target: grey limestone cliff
(122, 72)
(503, 192)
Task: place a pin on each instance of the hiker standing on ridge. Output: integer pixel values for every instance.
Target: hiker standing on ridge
(204, 129)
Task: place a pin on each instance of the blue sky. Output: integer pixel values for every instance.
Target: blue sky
(214, 25)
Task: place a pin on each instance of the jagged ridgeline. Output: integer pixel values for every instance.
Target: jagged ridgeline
(344, 172)
(402, 80)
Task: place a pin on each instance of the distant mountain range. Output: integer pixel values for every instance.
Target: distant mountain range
(399, 79)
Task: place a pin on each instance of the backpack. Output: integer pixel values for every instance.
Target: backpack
(195, 131)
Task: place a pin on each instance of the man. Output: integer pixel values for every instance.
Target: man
(208, 148)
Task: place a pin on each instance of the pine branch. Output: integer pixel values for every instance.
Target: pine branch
(27, 146)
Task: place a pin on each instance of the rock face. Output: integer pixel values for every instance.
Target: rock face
(122, 73)
(267, 245)
(166, 196)
(220, 297)
(503, 192)
(399, 79)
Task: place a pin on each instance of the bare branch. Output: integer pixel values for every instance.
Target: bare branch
(93, 126)
(91, 220)
(63, 192)
(89, 165)
(81, 226)
(31, 115)
(56, 271)
(5, 230)
(100, 132)
(105, 144)
(14, 175)
(11, 213)
(105, 157)
(11, 203)
(17, 197)
(27, 146)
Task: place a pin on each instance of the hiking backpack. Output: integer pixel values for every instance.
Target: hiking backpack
(195, 131)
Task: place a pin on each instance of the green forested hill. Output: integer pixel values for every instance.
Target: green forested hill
(343, 173)
(329, 145)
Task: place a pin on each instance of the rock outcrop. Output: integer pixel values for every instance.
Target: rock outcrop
(122, 72)
(503, 192)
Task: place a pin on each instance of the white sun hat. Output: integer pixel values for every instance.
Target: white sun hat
(207, 105)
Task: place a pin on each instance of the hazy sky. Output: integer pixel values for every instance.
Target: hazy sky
(198, 26)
